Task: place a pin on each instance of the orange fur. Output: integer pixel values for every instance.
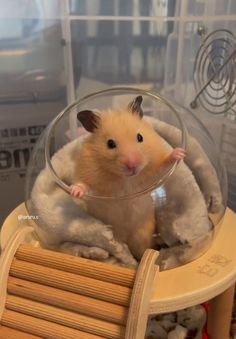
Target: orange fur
(102, 170)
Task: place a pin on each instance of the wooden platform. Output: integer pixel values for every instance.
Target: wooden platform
(212, 276)
(203, 279)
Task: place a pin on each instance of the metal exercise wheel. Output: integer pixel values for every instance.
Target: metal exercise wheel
(215, 72)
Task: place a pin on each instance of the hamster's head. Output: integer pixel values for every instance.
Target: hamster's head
(121, 141)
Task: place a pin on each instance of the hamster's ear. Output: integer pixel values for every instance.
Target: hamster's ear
(135, 106)
(89, 120)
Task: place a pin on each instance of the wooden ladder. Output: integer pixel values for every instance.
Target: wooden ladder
(55, 295)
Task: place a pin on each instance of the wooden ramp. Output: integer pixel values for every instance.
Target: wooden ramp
(55, 295)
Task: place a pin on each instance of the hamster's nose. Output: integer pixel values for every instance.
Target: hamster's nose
(131, 164)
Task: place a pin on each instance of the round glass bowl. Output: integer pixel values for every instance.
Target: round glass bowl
(185, 200)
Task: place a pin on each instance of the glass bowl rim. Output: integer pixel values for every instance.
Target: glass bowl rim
(155, 96)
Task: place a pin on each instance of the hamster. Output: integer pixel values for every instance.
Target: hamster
(123, 155)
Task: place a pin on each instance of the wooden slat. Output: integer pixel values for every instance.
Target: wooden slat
(71, 282)
(139, 305)
(66, 318)
(9, 333)
(67, 300)
(86, 267)
(42, 328)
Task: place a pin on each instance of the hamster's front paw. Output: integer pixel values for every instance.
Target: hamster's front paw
(178, 153)
(78, 190)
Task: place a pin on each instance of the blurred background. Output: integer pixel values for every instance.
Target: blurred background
(53, 52)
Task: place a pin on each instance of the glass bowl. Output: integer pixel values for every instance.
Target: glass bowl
(176, 208)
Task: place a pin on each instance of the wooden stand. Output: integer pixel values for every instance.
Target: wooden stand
(49, 288)
(220, 312)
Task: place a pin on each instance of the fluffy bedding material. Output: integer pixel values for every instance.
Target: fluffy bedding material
(183, 226)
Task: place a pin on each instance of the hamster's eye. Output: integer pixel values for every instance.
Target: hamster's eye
(111, 143)
(139, 137)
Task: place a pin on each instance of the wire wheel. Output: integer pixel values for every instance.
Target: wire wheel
(215, 72)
